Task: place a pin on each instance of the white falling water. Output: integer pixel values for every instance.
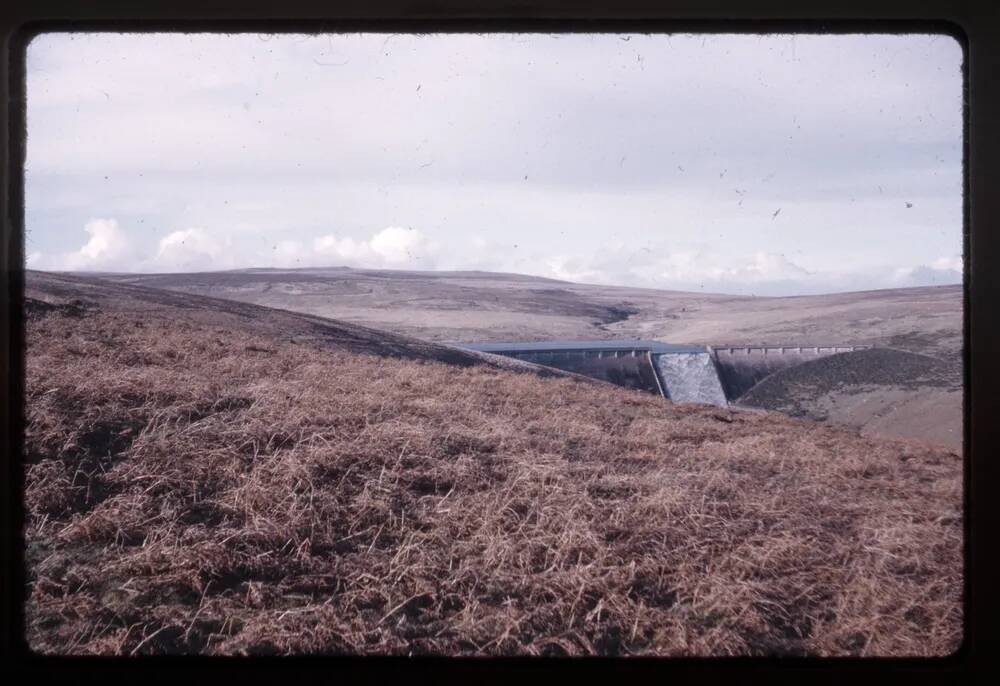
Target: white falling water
(690, 378)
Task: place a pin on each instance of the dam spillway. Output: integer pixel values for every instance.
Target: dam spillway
(690, 378)
(716, 375)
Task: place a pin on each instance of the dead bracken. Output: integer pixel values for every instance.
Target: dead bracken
(197, 483)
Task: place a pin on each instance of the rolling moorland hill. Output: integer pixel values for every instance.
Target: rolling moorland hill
(210, 477)
(482, 306)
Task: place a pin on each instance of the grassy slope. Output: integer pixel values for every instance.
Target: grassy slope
(196, 481)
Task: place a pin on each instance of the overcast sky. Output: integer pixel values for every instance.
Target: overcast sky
(770, 164)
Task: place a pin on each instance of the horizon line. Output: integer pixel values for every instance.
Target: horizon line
(481, 271)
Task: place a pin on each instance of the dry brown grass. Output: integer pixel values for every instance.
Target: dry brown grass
(201, 487)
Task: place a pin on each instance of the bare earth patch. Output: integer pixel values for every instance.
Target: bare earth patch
(200, 481)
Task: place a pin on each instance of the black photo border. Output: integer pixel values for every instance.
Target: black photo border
(976, 27)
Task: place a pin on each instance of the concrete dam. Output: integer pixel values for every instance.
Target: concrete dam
(716, 375)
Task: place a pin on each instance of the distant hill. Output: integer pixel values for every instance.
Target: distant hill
(113, 296)
(479, 306)
(483, 306)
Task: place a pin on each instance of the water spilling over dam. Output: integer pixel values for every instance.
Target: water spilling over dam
(690, 378)
(682, 373)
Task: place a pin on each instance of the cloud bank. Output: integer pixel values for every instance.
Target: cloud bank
(107, 248)
(771, 164)
(393, 246)
(655, 265)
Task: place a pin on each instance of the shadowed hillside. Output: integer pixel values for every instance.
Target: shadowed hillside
(879, 391)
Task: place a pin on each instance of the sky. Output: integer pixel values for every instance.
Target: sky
(750, 164)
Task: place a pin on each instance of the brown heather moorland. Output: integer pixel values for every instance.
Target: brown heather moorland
(228, 481)
(487, 306)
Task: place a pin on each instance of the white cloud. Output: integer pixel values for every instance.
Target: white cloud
(654, 265)
(658, 267)
(108, 248)
(342, 249)
(759, 273)
(326, 251)
(391, 247)
(108, 243)
(397, 245)
(953, 263)
(684, 265)
(289, 253)
(767, 267)
(189, 250)
(944, 270)
(573, 269)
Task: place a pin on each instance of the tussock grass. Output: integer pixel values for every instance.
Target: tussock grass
(201, 487)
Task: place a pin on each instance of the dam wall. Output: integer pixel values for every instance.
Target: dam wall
(716, 375)
(623, 363)
(740, 368)
(630, 369)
